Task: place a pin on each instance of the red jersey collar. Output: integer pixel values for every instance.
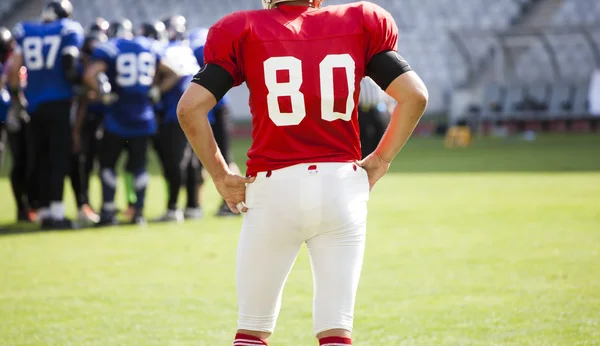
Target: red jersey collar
(294, 8)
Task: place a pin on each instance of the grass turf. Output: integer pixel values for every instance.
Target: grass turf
(498, 244)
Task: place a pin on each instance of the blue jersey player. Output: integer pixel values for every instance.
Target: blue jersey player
(49, 51)
(170, 142)
(15, 130)
(123, 71)
(218, 116)
(89, 114)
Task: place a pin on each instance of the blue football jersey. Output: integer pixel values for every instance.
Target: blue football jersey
(181, 58)
(42, 45)
(4, 98)
(132, 64)
(4, 104)
(197, 39)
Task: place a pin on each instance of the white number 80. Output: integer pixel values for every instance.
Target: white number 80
(292, 88)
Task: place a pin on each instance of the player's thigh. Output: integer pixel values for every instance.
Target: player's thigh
(336, 260)
(60, 136)
(110, 149)
(176, 149)
(268, 247)
(337, 251)
(137, 153)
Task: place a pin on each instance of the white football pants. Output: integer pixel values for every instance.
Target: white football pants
(323, 205)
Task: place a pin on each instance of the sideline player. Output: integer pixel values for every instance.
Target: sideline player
(125, 67)
(50, 52)
(303, 65)
(170, 142)
(89, 114)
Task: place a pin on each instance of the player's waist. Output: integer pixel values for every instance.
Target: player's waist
(307, 169)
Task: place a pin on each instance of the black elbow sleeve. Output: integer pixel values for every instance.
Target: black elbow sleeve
(215, 79)
(70, 68)
(385, 67)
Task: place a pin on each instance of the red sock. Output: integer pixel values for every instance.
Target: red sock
(335, 341)
(248, 340)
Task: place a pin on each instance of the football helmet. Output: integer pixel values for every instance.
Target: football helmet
(121, 28)
(6, 44)
(176, 27)
(155, 30)
(267, 4)
(99, 25)
(91, 40)
(56, 10)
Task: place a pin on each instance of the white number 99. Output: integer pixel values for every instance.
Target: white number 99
(135, 69)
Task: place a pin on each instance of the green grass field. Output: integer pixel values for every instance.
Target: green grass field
(498, 244)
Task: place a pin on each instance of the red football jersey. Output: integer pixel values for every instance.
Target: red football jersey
(303, 67)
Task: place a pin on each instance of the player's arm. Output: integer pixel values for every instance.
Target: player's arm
(207, 87)
(18, 101)
(70, 61)
(95, 77)
(80, 114)
(169, 77)
(410, 94)
(72, 42)
(195, 104)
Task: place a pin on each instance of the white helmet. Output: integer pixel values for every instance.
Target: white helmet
(267, 4)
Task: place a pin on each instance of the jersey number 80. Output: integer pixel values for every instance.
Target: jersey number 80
(292, 88)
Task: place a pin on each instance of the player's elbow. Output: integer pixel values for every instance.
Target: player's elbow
(195, 103)
(420, 97)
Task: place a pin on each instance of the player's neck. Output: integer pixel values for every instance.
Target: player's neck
(296, 3)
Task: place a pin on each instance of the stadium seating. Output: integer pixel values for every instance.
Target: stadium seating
(565, 72)
(426, 41)
(578, 12)
(424, 26)
(6, 6)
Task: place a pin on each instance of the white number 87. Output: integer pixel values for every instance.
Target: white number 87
(292, 88)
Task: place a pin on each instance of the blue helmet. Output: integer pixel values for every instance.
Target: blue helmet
(154, 30)
(176, 27)
(56, 10)
(120, 28)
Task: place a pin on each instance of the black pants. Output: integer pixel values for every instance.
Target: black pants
(137, 156)
(171, 145)
(82, 163)
(51, 132)
(222, 131)
(112, 146)
(24, 181)
(372, 129)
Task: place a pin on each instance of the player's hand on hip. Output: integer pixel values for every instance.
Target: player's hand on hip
(232, 187)
(375, 166)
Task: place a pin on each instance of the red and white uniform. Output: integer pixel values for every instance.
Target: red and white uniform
(303, 67)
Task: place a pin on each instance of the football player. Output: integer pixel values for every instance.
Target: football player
(50, 52)
(89, 114)
(15, 130)
(170, 142)
(122, 72)
(218, 117)
(303, 65)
